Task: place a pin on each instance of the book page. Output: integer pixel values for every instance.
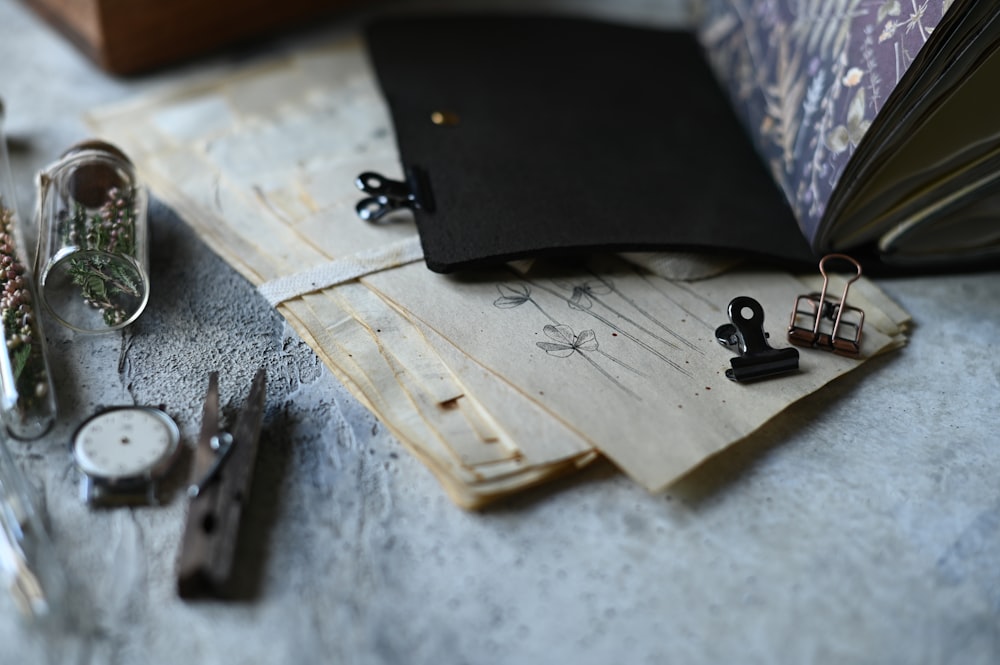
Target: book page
(808, 78)
(958, 137)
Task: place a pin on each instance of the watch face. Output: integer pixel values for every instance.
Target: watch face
(125, 442)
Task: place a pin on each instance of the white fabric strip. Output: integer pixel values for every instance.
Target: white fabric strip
(341, 270)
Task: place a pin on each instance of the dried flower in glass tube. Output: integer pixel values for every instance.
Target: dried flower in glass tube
(30, 401)
(104, 282)
(92, 239)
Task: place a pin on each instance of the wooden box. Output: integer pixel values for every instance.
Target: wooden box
(132, 36)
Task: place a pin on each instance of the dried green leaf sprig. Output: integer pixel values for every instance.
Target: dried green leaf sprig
(103, 281)
(21, 332)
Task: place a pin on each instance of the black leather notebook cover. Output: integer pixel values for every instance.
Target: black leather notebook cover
(567, 136)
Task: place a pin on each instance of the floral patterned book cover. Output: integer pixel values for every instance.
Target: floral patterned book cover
(809, 79)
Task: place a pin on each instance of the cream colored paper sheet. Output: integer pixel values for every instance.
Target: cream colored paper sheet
(629, 363)
(496, 383)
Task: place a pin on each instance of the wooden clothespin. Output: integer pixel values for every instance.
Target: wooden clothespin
(221, 477)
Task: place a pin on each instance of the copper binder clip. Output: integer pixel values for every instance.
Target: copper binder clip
(822, 323)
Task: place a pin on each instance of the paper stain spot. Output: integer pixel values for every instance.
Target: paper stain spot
(450, 405)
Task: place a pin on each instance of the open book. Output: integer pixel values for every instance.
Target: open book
(497, 380)
(875, 119)
(879, 119)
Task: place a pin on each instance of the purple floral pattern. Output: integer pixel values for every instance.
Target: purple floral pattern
(808, 77)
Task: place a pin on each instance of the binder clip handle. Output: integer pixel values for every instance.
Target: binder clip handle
(834, 310)
(842, 257)
(745, 334)
(387, 195)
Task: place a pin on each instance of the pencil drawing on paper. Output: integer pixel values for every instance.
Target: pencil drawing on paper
(598, 298)
(515, 295)
(587, 292)
(566, 343)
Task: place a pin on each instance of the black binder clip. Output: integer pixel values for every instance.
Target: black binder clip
(387, 195)
(822, 323)
(757, 359)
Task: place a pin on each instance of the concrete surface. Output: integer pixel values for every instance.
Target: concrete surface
(862, 528)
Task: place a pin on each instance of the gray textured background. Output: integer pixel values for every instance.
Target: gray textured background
(863, 527)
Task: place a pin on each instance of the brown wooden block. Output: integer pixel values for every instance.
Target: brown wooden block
(132, 36)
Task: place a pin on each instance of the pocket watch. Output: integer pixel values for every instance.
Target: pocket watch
(123, 453)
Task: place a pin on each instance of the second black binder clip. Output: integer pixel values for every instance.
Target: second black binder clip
(823, 323)
(386, 195)
(745, 334)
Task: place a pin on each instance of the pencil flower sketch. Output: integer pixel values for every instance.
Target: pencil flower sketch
(593, 298)
(609, 284)
(585, 294)
(566, 343)
(582, 299)
(515, 295)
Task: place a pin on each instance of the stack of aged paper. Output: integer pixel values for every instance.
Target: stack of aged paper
(496, 381)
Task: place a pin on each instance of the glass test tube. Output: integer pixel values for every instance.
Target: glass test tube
(28, 563)
(93, 250)
(27, 397)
